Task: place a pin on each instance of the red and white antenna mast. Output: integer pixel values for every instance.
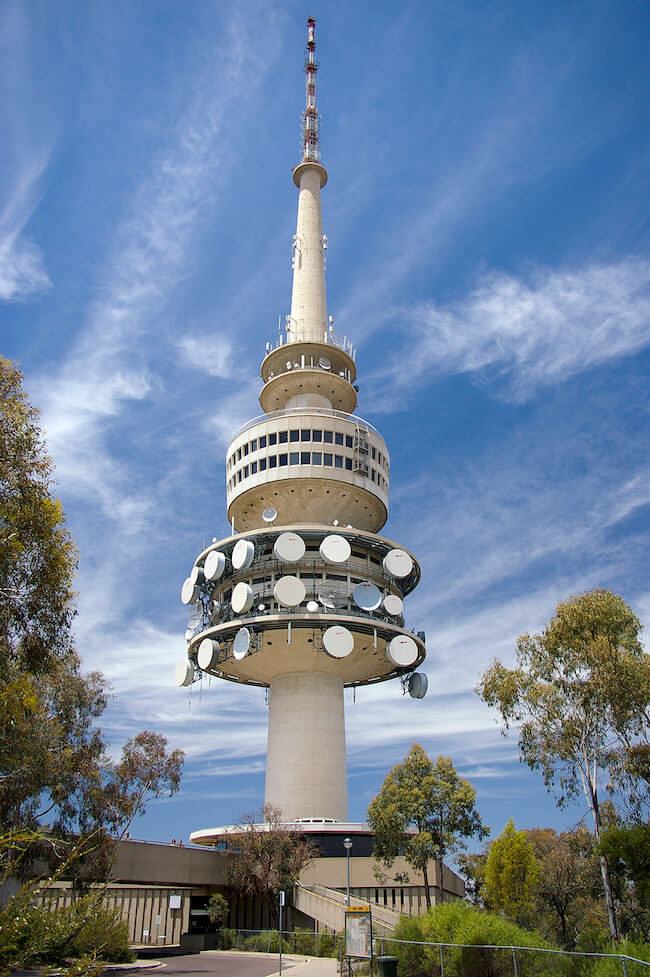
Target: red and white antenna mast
(309, 130)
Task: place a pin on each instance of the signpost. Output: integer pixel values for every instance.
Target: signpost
(358, 934)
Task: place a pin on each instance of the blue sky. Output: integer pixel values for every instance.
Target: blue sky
(487, 216)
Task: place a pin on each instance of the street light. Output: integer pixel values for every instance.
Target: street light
(347, 844)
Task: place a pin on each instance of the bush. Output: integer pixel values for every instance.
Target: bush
(457, 922)
(613, 967)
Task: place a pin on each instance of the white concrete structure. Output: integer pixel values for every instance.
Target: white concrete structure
(304, 597)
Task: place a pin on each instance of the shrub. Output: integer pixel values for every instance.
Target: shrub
(614, 968)
(459, 923)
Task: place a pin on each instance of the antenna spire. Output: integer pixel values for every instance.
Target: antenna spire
(310, 127)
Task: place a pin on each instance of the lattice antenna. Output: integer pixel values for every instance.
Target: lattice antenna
(309, 130)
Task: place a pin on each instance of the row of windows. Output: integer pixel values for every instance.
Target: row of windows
(304, 458)
(297, 435)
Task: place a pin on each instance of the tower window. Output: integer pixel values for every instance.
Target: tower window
(238, 454)
(294, 458)
(373, 453)
(294, 435)
(348, 464)
(253, 467)
(305, 435)
(273, 462)
(245, 471)
(338, 461)
(316, 458)
(372, 474)
(317, 435)
(246, 449)
(327, 460)
(284, 437)
(304, 457)
(348, 441)
(282, 460)
(263, 441)
(338, 438)
(262, 464)
(239, 475)
(273, 439)
(254, 445)
(328, 437)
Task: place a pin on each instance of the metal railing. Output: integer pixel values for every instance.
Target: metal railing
(302, 412)
(511, 952)
(312, 944)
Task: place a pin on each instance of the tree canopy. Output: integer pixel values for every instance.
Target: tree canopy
(425, 811)
(512, 874)
(580, 693)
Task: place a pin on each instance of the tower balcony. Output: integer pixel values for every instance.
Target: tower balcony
(310, 466)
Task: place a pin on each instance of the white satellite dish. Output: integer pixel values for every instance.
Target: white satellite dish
(196, 615)
(196, 575)
(215, 607)
(189, 592)
(184, 673)
(418, 685)
(312, 606)
(242, 597)
(398, 563)
(215, 564)
(367, 596)
(289, 591)
(324, 363)
(402, 650)
(335, 549)
(241, 644)
(289, 547)
(393, 604)
(208, 653)
(189, 634)
(243, 554)
(269, 515)
(338, 642)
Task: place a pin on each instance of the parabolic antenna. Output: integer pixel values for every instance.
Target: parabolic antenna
(289, 547)
(242, 598)
(189, 634)
(324, 363)
(270, 515)
(402, 650)
(312, 606)
(393, 604)
(418, 685)
(398, 563)
(367, 596)
(332, 599)
(196, 615)
(335, 549)
(208, 654)
(184, 673)
(215, 607)
(289, 591)
(189, 592)
(242, 554)
(215, 564)
(241, 644)
(338, 642)
(196, 575)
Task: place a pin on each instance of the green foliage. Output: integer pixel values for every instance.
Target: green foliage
(430, 797)
(218, 908)
(266, 941)
(512, 874)
(613, 967)
(32, 934)
(459, 923)
(627, 849)
(580, 693)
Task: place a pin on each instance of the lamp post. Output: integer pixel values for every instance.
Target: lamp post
(347, 844)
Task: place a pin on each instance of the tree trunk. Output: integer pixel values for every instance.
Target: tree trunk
(427, 894)
(604, 871)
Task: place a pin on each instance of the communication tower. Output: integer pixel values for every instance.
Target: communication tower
(305, 598)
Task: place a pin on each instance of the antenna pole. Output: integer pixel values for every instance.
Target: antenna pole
(310, 127)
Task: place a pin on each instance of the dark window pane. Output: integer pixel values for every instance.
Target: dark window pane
(328, 437)
(253, 467)
(348, 464)
(245, 471)
(348, 441)
(317, 435)
(273, 439)
(338, 438)
(294, 458)
(304, 457)
(262, 464)
(316, 458)
(245, 449)
(327, 460)
(254, 445)
(284, 437)
(273, 462)
(282, 460)
(338, 461)
(305, 435)
(263, 441)
(294, 435)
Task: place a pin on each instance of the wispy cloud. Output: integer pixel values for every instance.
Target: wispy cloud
(524, 333)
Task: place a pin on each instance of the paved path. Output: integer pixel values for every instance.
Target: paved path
(236, 963)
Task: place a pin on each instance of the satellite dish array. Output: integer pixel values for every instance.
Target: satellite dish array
(289, 591)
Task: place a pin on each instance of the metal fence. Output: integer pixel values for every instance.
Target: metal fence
(510, 961)
(312, 944)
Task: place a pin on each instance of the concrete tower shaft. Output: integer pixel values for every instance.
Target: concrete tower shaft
(308, 320)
